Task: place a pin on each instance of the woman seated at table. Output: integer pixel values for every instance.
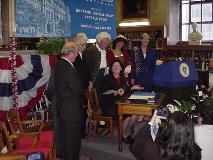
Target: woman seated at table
(174, 142)
(114, 86)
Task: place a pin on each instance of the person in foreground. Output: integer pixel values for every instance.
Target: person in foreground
(69, 92)
(113, 87)
(204, 132)
(175, 141)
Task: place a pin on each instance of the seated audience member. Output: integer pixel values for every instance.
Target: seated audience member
(113, 87)
(204, 132)
(175, 141)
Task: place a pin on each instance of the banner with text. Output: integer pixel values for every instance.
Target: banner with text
(64, 18)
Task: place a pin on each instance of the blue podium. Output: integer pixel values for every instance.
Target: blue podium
(177, 79)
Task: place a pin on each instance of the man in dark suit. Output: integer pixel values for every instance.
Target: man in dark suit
(95, 57)
(80, 64)
(69, 92)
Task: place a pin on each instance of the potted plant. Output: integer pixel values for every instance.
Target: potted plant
(50, 45)
(186, 106)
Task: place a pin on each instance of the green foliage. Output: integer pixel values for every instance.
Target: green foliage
(50, 45)
(186, 106)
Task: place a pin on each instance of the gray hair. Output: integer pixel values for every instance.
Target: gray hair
(80, 38)
(102, 35)
(67, 50)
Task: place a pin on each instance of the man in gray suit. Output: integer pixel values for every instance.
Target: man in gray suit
(69, 92)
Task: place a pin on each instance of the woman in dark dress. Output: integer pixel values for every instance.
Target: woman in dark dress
(174, 142)
(143, 62)
(114, 87)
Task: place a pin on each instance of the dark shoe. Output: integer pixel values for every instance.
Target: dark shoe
(128, 140)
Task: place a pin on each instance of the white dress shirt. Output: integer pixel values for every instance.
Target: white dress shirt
(80, 54)
(103, 63)
(68, 61)
(204, 138)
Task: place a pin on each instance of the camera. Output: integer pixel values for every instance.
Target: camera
(164, 111)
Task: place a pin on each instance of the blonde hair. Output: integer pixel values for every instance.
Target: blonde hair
(145, 35)
(102, 35)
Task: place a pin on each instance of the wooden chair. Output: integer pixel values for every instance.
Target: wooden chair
(8, 156)
(17, 153)
(12, 156)
(29, 132)
(95, 116)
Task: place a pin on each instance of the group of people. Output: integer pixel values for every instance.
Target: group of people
(179, 138)
(114, 72)
(79, 68)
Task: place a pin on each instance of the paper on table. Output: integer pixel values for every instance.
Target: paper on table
(109, 92)
(142, 95)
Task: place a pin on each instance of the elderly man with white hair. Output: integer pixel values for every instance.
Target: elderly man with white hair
(69, 92)
(80, 65)
(95, 57)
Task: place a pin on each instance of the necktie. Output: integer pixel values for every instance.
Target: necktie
(137, 63)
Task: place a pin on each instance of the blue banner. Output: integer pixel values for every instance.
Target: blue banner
(64, 18)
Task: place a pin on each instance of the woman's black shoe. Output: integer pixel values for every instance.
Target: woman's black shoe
(128, 140)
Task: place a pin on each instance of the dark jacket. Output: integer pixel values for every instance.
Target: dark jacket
(144, 148)
(69, 91)
(93, 60)
(81, 67)
(108, 101)
(148, 64)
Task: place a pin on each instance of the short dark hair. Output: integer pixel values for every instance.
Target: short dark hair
(114, 61)
(176, 139)
(118, 39)
(206, 112)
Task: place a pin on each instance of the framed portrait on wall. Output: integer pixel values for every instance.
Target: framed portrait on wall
(135, 9)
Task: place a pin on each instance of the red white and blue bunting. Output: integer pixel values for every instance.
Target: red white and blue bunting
(31, 74)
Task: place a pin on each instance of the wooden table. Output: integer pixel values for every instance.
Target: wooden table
(127, 107)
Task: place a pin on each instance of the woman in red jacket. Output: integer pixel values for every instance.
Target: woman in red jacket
(118, 51)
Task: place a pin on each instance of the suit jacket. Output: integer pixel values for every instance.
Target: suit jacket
(147, 67)
(69, 91)
(143, 147)
(81, 67)
(93, 60)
